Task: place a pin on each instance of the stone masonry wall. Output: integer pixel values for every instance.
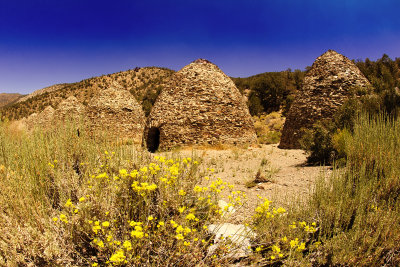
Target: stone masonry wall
(116, 112)
(200, 106)
(327, 85)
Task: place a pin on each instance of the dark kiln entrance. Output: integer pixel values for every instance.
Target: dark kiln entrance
(153, 139)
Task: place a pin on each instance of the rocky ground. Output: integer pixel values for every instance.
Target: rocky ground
(283, 176)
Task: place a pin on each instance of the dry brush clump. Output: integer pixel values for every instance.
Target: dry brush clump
(268, 127)
(152, 214)
(358, 207)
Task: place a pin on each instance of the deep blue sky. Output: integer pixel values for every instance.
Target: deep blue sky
(43, 42)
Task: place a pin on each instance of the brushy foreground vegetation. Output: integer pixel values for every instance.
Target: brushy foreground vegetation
(69, 200)
(359, 206)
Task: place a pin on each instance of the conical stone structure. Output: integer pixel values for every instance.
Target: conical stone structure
(327, 85)
(115, 111)
(43, 120)
(70, 108)
(199, 106)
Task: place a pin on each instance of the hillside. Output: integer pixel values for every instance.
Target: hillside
(42, 91)
(6, 98)
(143, 83)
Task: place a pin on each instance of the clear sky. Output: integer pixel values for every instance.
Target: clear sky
(44, 42)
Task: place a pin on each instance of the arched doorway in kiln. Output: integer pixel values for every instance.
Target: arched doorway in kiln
(153, 139)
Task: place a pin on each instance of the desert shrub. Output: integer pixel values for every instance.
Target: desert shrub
(282, 237)
(358, 206)
(322, 141)
(79, 201)
(268, 128)
(270, 91)
(155, 213)
(318, 142)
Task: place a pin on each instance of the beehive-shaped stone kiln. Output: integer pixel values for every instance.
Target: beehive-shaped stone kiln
(43, 119)
(115, 111)
(199, 106)
(70, 108)
(327, 85)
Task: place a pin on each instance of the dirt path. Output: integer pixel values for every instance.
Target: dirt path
(288, 179)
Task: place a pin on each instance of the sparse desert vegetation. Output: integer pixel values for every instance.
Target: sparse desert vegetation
(70, 197)
(69, 200)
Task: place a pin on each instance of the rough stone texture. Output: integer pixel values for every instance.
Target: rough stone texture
(70, 108)
(199, 106)
(116, 112)
(327, 85)
(113, 112)
(43, 119)
(238, 234)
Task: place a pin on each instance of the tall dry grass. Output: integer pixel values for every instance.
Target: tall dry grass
(358, 207)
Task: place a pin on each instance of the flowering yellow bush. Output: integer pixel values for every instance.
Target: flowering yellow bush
(289, 240)
(156, 213)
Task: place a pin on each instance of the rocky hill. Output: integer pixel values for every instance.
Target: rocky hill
(143, 83)
(6, 99)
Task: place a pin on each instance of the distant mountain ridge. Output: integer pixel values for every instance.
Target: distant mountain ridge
(9, 98)
(42, 91)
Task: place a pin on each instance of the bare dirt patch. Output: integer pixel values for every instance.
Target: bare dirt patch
(286, 176)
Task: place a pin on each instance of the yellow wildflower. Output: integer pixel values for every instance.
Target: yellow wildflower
(137, 234)
(100, 244)
(127, 245)
(301, 247)
(181, 209)
(294, 243)
(281, 210)
(197, 189)
(68, 203)
(118, 257)
(190, 217)
(102, 175)
(123, 173)
(63, 218)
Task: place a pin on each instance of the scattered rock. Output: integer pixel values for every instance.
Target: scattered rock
(226, 209)
(238, 234)
(260, 187)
